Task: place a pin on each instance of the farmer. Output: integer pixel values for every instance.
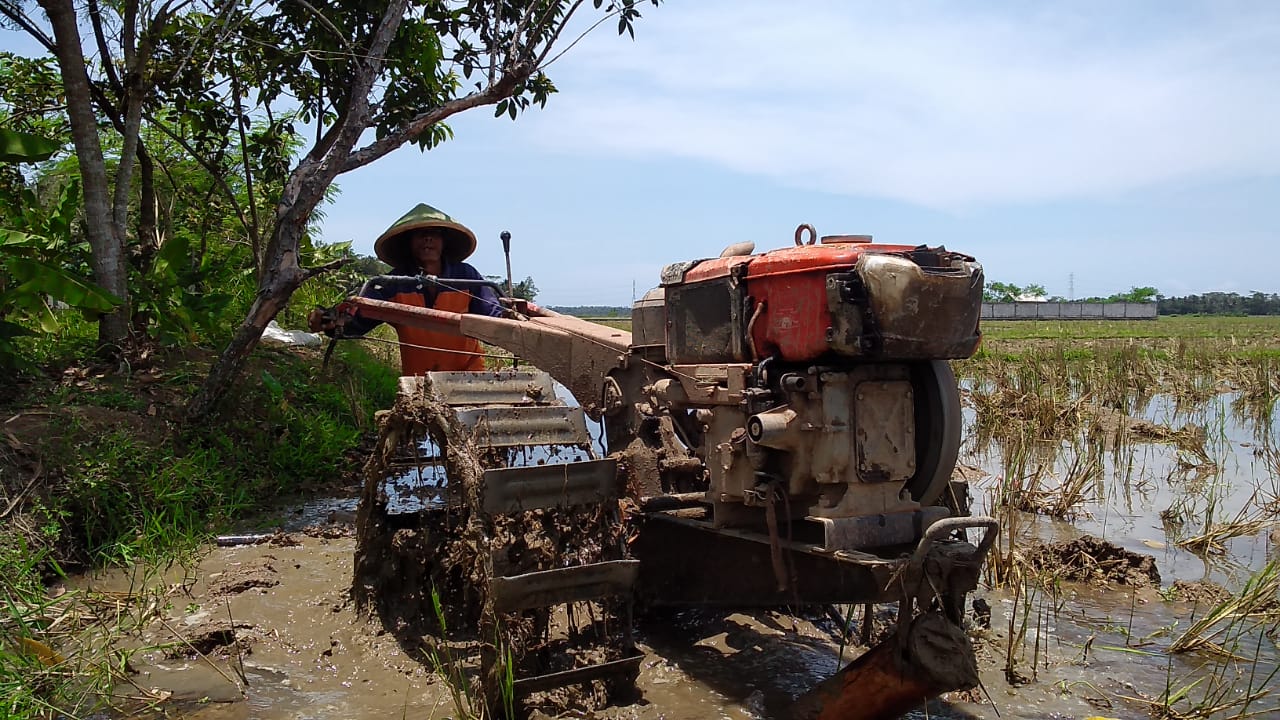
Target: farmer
(426, 242)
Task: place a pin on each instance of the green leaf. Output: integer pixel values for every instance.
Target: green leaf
(64, 212)
(273, 385)
(18, 147)
(17, 238)
(328, 253)
(172, 257)
(40, 277)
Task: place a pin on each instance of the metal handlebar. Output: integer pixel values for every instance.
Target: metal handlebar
(419, 282)
(947, 526)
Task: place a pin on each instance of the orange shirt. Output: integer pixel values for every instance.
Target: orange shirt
(423, 351)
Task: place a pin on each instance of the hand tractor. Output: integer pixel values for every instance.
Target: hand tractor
(776, 430)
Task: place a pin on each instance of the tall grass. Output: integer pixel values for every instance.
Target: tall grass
(120, 487)
(61, 655)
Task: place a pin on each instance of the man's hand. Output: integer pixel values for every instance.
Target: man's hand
(321, 320)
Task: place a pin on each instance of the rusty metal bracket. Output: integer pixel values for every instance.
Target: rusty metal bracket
(611, 396)
(921, 585)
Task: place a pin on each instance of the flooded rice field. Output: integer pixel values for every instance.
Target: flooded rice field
(1194, 487)
(1135, 576)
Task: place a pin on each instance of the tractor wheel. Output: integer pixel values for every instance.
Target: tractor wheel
(938, 421)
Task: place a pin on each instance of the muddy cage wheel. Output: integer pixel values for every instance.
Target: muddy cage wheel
(526, 548)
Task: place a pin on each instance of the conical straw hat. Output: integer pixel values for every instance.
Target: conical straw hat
(392, 247)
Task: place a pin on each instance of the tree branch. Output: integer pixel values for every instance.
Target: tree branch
(306, 184)
(308, 273)
(11, 11)
(524, 23)
(328, 24)
(255, 234)
(353, 122)
(214, 172)
(95, 19)
(128, 33)
(224, 17)
(419, 123)
(555, 36)
(135, 88)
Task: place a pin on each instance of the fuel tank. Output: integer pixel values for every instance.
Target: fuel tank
(840, 298)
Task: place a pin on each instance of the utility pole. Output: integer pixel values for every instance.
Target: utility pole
(1071, 286)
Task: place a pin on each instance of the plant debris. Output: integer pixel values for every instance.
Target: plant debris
(1092, 559)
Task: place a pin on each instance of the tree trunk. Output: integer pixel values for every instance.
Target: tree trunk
(281, 273)
(144, 256)
(108, 261)
(276, 285)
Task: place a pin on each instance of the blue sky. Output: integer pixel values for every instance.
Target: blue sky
(1120, 143)
(1131, 143)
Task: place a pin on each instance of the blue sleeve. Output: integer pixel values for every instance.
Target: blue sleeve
(358, 326)
(484, 301)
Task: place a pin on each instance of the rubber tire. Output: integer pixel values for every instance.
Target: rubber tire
(938, 424)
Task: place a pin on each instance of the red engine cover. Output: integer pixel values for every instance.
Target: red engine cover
(789, 290)
(747, 308)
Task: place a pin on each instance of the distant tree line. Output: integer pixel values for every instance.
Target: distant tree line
(593, 310)
(1213, 303)
(1007, 292)
(1221, 303)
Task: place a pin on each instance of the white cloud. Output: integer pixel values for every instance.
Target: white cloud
(938, 105)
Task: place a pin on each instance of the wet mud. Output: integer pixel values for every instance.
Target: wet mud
(269, 630)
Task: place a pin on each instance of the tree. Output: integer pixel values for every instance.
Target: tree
(1000, 292)
(1136, 295)
(34, 268)
(107, 102)
(365, 78)
(525, 289)
(353, 67)
(104, 220)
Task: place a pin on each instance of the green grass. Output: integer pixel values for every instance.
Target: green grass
(126, 497)
(1262, 328)
(119, 488)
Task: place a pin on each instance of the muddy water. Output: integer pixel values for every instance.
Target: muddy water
(302, 653)
(1083, 650)
(1103, 645)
